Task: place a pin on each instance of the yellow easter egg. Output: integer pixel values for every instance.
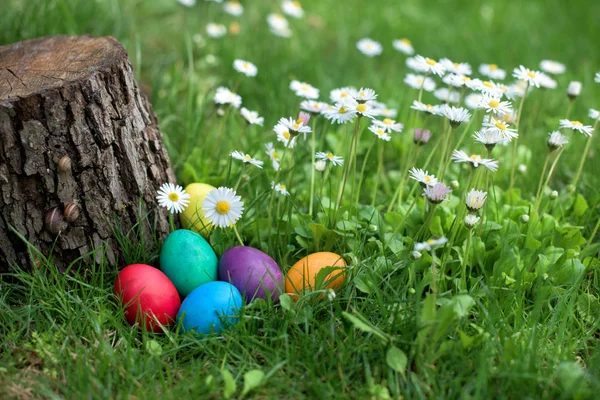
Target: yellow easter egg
(192, 217)
(303, 274)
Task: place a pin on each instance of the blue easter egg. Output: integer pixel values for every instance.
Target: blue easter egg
(188, 260)
(212, 306)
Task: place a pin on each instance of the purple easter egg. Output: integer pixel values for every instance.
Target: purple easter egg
(252, 272)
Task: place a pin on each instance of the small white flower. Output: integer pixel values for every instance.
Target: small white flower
(525, 74)
(234, 8)
(383, 110)
(369, 47)
(292, 8)
(553, 195)
(295, 127)
(251, 116)
(403, 46)
(340, 113)
(245, 67)
(173, 198)
(524, 218)
(380, 132)
(574, 89)
(473, 100)
(456, 68)
(502, 127)
(246, 158)
(364, 94)
(415, 255)
(222, 207)
(431, 244)
(552, 67)
(426, 65)
(490, 137)
(522, 168)
(597, 77)
(330, 294)
(342, 94)
(333, 159)
(389, 125)
(280, 188)
(284, 136)
(423, 177)
(456, 115)
(489, 87)
(576, 126)
(594, 114)
(226, 96)
(436, 193)
(418, 81)
(278, 25)
(273, 156)
(187, 3)
(475, 160)
(546, 82)
(313, 107)
(305, 90)
(493, 104)
(448, 96)
(216, 30)
(492, 71)
(471, 220)
(428, 108)
(454, 80)
(362, 109)
(320, 165)
(556, 140)
(475, 200)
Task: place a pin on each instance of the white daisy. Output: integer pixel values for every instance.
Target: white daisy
(456, 115)
(475, 200)
(387, 112)
(284, 136)
(471, 220)
(297, 126)
(340, 113)
(488, 87)
(493, 104)
(454, 80)
(320, 165)
(342, 94)
(222, 207)
(597, 77)
(517, 89)
(456, 68)
(475, 160)
(313, 107)
(576, 126)
(389, 125)
(594, 114)
(380, 132)
(552, 67)
(436, 193)
(492, 71)
(245, 67)
(472, 100)
(252, 117)
(292, 8)
(546, 82)
(418, 81)
(234, 8)
(280, 188)
(305, 90)
(527, 75)
(362, 109)
(431, 244)
(226, 96)
(273, 155)
(428, 108)
(364, 94)
(427, 65)
(574, 89)
(173, 198)
(279, 25)
(489, 138)
(556, 140)
(369, 47)
(502, 127)
(187, 3)
(423, 177)
(335, 160)
(403, 46)
(246, 158)
(448, 96)
(216, 30)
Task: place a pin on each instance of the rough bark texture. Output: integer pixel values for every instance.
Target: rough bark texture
(74, 96)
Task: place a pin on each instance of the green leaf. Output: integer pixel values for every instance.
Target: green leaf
(580, 206)
(461, 304)
(153, 347)
(347, 226)
(322, 278)
(229, 388)
(396, 360)
(380, 392)
(436, 227)
(252, 380)
(286, 302)
(363, 284)
(358, 323)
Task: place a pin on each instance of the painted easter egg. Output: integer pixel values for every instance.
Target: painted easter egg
(188, 260)
(193, 217)
(303, 274)
(212, 306)
(147, 295)
(254, 273)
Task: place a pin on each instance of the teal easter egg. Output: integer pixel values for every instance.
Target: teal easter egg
(188, 260)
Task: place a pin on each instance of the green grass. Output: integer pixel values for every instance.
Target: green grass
(527, 327)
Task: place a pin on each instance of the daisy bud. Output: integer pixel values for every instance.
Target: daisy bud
(320, 165)
(412, 291)
(373, 228)
(553, 195)
(556, 140)
(524, 218)
(570, 188)
(574, 90)
(475, 200)
(422, 136)
(523, 168)
(545, 276)
(455, 184)
(220, 112)
(330, 294)
(415, 255)
(471, 220)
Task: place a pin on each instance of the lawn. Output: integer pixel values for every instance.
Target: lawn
(506, 309)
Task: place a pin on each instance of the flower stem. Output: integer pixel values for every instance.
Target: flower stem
(270, 210)
(539, 200)
(514, 149)
(312, 167)
(362, 171)
(172, 222)
(588, 145)
(348, 163)
(465, 261)
(238, 235)
(379, 172)
(544, 169)
(426, 224)
(446, 157)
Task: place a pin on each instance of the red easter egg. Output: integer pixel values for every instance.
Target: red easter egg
(147, 295)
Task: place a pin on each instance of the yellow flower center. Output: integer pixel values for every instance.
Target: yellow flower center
(361, 108)
(488, 84)
(282, 186)
(419, 80)
(223, 207)
(344, 94)
(234, 28)
(274, 155)
(455, 65)
(296, 4)
(361, 93)
(428, 106)
(329, 156)
(388, 121)
(466, 78)
(494, 103)
(493, 67)
(342, 110)
(316, 106)
(427, 178)
(286, 135)
(501, 125)
(405, 41)
(173, 196)
(247, 157)
(531, 74)
(475, 157)
(430, 61)
(246, 65)
(576, 123)
(380, 132)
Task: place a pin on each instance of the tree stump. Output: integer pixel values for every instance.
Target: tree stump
(76, 137)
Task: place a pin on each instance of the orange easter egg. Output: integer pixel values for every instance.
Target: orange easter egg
(303, 274)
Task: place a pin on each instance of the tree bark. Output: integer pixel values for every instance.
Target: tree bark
(75, 97)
